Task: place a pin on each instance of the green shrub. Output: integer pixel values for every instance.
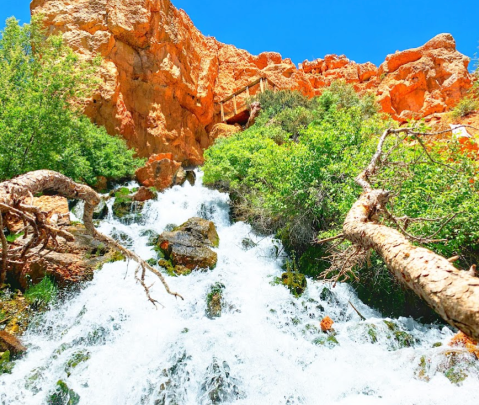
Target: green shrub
(42, 294)
(466, 106)
(42, 126)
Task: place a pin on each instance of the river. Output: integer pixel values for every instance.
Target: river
(109, 345)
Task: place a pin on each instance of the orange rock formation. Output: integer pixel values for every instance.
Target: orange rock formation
(162, 78)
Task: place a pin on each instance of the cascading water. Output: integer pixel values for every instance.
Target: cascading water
(109, 345)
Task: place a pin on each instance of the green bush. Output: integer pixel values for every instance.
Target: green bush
(43, 86)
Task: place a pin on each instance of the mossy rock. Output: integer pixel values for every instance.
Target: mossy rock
(6, 366)
(455, 375)
(214, 301)
(63, 395)
(327, 339)
(296, 282)
(174, 271)
(401, 338)
(76, 359)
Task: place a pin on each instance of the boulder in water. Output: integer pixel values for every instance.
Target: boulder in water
(189, 244)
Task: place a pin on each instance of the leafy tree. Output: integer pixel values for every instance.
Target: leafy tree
(43, 88)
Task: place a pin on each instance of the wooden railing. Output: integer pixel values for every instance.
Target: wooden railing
(264, 84)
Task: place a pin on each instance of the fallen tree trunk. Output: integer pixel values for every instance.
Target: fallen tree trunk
(452, 293)
(14, 195)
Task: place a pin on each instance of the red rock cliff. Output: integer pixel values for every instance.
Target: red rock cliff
(162, 77)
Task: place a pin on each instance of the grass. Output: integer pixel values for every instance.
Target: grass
(43, 293)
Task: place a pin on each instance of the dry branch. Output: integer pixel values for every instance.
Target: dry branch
(15, 192)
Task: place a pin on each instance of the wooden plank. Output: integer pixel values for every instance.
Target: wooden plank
(222, 113)
(238, 92)
(261, 85)
(234, 104)
(247, 91)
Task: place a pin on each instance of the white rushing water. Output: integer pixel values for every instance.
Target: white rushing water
(266, 348)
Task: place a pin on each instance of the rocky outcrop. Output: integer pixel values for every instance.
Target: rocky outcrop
(188, 247)
(162, 78)
(161, 172)
(423, 81)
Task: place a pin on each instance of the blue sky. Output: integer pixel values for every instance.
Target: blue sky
(362, 30)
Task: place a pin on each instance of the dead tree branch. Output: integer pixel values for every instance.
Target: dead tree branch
(13, 196)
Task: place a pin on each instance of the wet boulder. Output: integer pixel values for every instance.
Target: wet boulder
(189, 245)
(125, 205)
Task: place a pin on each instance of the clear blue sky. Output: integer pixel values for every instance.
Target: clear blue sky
(362, 30)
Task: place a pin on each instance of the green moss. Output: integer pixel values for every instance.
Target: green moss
(372, 333)
(6, 365)
(400, 337)
(438, 344)
(42, 294)
(296, 282)
(75, 360)
(421, 372)
(63, 395)
(455, 375)
(214, 301)
(168, 266)
(152, 262)
(116, 256)
(328, 340)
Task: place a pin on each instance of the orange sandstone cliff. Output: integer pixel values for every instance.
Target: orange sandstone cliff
(162, 78)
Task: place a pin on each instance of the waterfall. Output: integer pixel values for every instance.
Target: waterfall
(109, 345)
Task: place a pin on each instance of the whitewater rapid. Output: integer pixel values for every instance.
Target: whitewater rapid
(263, 350)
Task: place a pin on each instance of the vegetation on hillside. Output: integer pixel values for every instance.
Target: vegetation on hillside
(42, 126)
(293, 172)
(470, 103)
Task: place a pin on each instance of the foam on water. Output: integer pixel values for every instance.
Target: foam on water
(264, 349)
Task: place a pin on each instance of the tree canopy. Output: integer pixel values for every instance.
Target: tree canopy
(43, 89)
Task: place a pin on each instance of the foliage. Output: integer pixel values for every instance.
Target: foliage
(43, 88)
(43, 293)
(302, 189)
(466, 106)
(296, 188)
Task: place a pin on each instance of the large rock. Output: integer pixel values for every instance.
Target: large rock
(160, 172)
(162, 78)
(423, 81)
(189, 245)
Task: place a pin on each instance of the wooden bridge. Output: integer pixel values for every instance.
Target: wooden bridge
(235, 108)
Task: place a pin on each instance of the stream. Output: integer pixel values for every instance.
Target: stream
(109, 345)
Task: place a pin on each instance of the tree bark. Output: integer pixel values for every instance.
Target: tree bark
(452, 293)
(15, 192)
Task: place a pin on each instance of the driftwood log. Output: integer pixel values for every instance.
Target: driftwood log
(15, 198)
(452, 293)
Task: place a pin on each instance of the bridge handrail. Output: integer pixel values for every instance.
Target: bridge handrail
(243, 89)
(263, 81)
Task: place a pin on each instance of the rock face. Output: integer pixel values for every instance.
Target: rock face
(188, 246)
(162, 79)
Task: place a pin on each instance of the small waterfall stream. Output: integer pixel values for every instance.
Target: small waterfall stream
(111, 346)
